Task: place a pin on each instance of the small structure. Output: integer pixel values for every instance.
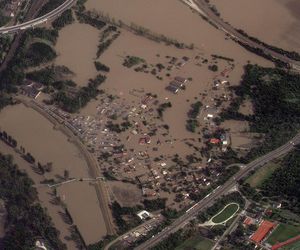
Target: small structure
(177, 84)
(172, 89)
(248, 221)
(143, 215)
(180, 79)
(31, 89)
(214, 141)
(39, 244)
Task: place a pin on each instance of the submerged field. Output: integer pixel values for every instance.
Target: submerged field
(252, 18)
(37, 136)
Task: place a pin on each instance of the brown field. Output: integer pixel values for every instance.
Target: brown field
(276, 22)
(38, 137)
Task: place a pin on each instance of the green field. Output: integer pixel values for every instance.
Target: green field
(282, 233)
(196, 242)
(294, 246)
(262, 174)
(226, 213)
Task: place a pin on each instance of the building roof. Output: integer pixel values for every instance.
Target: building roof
(180, 79)
(264, 228)
(177, 84)
(172, 89)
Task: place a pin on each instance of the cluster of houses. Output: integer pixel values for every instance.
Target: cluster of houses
(177, 84)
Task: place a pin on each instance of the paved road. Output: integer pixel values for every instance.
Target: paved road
(208, 201)
(203, 8)
(37, 21)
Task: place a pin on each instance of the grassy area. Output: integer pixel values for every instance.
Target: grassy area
(197, 243)
(294, 246)
(261, 174)
(282, 233)
(226, 213)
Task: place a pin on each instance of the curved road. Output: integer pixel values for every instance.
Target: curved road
(210, 199)
(203, 8)
(37, 21)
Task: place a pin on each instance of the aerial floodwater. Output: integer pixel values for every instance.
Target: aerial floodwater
(76, 47)
(49, 145)
(276, 22)
(129, 119)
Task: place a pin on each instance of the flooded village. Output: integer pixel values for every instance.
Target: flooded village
(154, 131)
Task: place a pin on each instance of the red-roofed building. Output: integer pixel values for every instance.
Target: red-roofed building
(215, 141)
(248, 221)
(264, 228)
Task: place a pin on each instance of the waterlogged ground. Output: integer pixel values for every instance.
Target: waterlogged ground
(36, 134)
(276, 22)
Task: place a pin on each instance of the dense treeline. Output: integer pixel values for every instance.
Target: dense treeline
(275, 96)
(284, 183)
(26, 219)
(154, 205)
(49, 6)
(38, 53)
(101, 67)
(130, 213)
(14, 74)
(290, 54)
(64, 19)
(88, 19)
(83, 96)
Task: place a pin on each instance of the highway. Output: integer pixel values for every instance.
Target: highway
(203, 8)
(214, 195)
(39, 20)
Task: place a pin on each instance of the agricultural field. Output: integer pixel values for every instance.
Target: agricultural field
(197, 243)
(226, 213)
(282, 233)
(262, 174)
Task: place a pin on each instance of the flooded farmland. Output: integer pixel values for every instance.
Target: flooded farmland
(76, 47)
(36, 134)
(276, 22)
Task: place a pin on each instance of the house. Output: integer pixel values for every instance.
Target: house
(177, 84)
(145, 140)
(214, 141)
(181, 79)
(264, 228)
(143, 215)
(172, 89)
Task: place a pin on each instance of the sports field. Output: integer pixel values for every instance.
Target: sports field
(197, 243)
(282, 233)
(225, 214)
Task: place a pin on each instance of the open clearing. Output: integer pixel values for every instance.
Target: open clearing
(262, 174)
(197, 243)
(226, 213)
(282, 233)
